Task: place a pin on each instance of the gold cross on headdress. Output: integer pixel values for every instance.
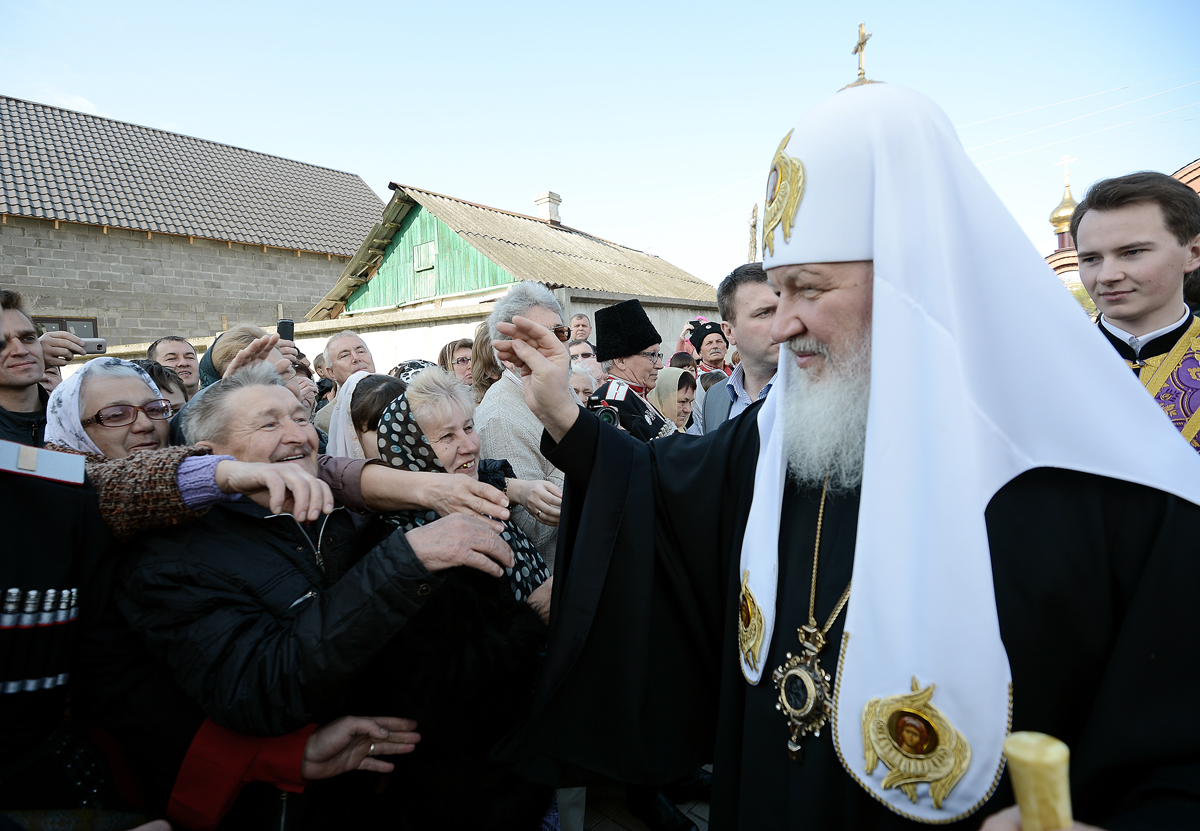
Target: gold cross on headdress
(860, 49)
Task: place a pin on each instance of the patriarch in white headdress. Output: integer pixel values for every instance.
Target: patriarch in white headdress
(948, 412)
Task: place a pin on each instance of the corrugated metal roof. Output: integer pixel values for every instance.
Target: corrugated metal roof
(535, 249)
(66, 165)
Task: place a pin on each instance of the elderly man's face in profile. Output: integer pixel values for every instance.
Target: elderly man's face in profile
(824, 311)
(268, 424)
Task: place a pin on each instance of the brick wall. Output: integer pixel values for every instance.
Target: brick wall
(139, 289)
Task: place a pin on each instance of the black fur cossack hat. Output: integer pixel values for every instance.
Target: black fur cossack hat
(699, 333)
(623, 330)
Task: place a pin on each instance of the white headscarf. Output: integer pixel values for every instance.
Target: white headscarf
(982, 367)
(343, 437)
(63, 424)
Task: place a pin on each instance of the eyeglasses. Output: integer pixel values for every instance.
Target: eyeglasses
(562, 333)
(119, 415)
(461, 362)
(583, 356)
(655, 357)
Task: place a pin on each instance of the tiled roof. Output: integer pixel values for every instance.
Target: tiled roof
(527, 248)
(1190, 175)
(66, 165)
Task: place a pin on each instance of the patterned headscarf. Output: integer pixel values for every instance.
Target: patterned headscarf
(402, 444)
(407, 370)
(64, 427)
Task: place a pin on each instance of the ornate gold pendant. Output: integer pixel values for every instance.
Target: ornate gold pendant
(750, 625)
(803, 686)
(916, 742)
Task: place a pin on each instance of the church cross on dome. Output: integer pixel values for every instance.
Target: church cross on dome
(1066, 161)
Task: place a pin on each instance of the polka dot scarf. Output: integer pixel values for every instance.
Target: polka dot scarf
(402, 444)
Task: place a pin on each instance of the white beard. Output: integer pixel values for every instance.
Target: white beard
(825, 420)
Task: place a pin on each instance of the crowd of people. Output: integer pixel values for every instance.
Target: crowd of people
(247, 589)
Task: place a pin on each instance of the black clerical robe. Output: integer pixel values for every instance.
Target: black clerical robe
(1094, 582)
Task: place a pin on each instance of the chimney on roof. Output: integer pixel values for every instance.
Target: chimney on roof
(548, 203)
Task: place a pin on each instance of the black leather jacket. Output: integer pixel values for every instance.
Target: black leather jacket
(264, 622)
(25, 428)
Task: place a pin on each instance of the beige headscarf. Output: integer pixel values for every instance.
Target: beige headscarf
(665, 395)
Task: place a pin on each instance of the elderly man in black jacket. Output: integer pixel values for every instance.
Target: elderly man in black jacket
(264, 620)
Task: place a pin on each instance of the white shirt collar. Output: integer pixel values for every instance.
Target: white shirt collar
(1136, 342)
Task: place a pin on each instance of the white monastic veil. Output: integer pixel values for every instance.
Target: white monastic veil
(343, 437)
(983, 367)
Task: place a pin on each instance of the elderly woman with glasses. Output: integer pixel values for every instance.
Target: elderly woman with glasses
(508, 429)
(630, 350)
(110, 408)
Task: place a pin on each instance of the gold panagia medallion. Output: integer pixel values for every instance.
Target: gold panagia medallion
(750, 624)
(804, 694)
(916, 742)
(785, 187)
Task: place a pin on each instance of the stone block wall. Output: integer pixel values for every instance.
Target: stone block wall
(139, 289)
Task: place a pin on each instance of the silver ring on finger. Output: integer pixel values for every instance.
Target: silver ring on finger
(371, 749)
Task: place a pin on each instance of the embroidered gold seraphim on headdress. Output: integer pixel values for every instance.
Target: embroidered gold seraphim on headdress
(750, 625)
(785, 188)
(916, 742)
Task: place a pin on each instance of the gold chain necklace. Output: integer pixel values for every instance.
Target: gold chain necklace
(804, 693)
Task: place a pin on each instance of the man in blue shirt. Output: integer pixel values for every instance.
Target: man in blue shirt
(747, 307)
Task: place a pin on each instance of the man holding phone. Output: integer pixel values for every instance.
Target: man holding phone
(22, 399)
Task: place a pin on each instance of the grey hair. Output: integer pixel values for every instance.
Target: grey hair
(608, 365)
(583, 373)
(106, 370)
(345, 333)
(521, 297)
(207, 416)
(433, 391)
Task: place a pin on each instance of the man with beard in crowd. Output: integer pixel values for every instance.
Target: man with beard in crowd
(1010, 571)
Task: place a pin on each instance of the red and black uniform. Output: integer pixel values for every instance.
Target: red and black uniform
(636, 414)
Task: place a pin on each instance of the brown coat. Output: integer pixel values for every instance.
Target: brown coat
(140, 491)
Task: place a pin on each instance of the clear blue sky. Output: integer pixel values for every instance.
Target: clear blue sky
(655, 121)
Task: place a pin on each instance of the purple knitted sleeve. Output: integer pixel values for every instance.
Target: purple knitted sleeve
(197, 480)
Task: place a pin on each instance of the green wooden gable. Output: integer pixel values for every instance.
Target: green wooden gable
(425, 259)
